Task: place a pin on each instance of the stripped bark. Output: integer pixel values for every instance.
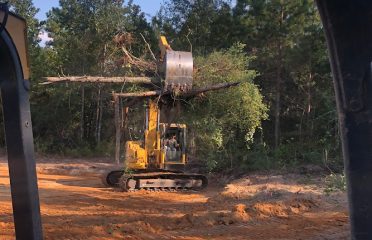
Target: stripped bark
(94, 79)
(138, 94)
(99, 113)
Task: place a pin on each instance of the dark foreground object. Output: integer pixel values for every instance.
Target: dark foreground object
(19, 140)
(348, 27)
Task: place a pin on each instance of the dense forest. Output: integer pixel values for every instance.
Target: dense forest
(281, 115)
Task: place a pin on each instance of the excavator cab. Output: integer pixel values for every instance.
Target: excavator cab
(163, 146)
(173, 142)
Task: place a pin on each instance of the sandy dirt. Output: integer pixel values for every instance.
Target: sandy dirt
(75, 205)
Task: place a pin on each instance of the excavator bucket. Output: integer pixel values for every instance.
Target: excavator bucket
(18, 128)
(179, 70)
(177, 67)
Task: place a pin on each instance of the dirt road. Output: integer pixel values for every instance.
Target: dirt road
(254, 207)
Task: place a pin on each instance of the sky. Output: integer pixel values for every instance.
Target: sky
(149, 7)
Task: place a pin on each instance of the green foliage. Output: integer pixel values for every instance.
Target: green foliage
(287, 40)
(103, 149)
(259, 157)
(282, 41)
(83, 33)
(203, 25)
(335, 182)
(28, 11)
(80, 31)
(226, 120)
(78, 119)
(240, 107)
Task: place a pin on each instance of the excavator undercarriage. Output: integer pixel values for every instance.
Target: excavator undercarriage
(155, 180)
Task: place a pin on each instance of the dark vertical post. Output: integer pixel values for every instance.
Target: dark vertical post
(117, 128)
(124, 122)
(82, 119)
(125, 111)
(348, 27)
(19, 141)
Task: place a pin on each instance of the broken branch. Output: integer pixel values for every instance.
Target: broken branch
(92, 79)
(149, 48)
(187, 94)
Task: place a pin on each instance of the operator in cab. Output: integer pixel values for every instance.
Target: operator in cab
(171, 146)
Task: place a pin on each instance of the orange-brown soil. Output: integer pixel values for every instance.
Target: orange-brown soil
(75, 205)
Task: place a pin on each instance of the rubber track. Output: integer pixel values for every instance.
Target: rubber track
(119, 179)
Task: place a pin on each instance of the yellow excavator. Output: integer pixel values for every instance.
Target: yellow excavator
(158, 162)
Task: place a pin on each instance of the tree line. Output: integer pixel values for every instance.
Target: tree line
(283, 113)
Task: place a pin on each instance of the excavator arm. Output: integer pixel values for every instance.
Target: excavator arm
(14, 71)
(348, 28)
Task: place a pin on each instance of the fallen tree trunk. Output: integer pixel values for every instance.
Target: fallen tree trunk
(92, 79)
(187, 94)
(138, 94)
(196, 92)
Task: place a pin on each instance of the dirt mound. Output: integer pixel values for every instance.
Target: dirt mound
(283, 209)
(298, 205)
(236, 215)
(191, 220)
(242, 213)
(80, 169)
(270, 210)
